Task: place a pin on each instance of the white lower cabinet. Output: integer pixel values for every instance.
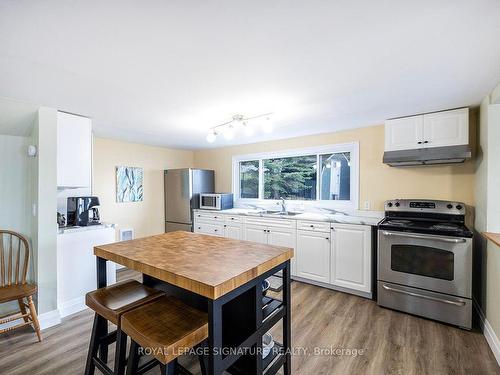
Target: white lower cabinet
(335, 255)
(284, 237)
(350, 265)
(234, 231)
(256, 233)
(209, 228)
(313, 255)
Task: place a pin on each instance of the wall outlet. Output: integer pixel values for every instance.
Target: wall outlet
(366, 205)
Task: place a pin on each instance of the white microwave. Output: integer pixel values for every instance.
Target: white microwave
(216, 201)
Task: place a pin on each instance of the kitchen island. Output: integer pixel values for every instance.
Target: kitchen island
(223, 277)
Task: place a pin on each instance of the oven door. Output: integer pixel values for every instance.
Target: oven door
(210, 201)
(437, 263)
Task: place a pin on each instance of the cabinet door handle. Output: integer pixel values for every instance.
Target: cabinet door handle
(215, 230)
(327, 238)
(426, 141)
(419, 143)
(312, 226)
(225, 226)
(199, 227)
(265, 230)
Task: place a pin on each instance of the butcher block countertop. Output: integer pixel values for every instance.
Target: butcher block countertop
(493, 237)
(206, 265)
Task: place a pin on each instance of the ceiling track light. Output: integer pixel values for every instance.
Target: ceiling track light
(227, 129)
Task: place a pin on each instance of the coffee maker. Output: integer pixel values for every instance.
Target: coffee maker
(83, 211)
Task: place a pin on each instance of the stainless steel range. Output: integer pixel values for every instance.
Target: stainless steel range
(425, 260)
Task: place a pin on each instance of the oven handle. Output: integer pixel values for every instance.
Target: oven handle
(402, 234)
(456, 303)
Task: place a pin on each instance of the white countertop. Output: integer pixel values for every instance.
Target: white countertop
(84, 229)
(358, 217)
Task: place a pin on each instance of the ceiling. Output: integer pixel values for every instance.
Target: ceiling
(165, 72)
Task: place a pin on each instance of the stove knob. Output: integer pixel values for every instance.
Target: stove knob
(397, 204)
(389, 204)
(450, 206)
(459, 207)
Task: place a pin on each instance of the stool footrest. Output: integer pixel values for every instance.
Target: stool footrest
(147, 366)
(108, 339)
(102, 366)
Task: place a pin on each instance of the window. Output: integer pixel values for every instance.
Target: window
(249, 179)
(290, 178)
(325, 174)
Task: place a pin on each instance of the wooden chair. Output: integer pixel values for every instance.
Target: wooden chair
(14, 260)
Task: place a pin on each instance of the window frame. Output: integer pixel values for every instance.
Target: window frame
(352, 147)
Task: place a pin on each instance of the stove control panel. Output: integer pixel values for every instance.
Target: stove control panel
(429, 206)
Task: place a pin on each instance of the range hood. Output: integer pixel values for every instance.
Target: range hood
(428, 156)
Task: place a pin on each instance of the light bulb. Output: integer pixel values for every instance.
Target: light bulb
(267, 126)
(211, 137)
(338, 164)
(328, 165)
(229, 133)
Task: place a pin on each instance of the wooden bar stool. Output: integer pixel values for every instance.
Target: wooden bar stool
(109, 303)
(164, 328)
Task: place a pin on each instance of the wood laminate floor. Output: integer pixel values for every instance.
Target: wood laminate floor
(374, 341)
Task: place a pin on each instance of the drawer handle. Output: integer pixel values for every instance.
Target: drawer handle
(456, 303)
(327, 238)
(199, 227)
(225, 226)
(232, 218)
(312, 226)
(215, 230)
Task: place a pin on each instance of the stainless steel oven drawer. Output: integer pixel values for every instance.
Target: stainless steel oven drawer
(437, 306)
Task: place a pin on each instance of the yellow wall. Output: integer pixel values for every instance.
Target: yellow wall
(146, 217)
(378, 182)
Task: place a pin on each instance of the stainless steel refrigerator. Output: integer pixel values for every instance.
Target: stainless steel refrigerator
(182, 196)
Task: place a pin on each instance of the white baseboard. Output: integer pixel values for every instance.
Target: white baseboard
(72, 306)
(489, 333)
(49, 319)
(333, 287)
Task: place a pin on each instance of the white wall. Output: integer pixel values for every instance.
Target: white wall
(15, 186)
(487, 188)
(45, 135)
(15, 192)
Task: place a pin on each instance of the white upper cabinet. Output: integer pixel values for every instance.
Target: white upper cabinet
(447, 128)
(74, 150)
(404, 133)
(351, 257)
